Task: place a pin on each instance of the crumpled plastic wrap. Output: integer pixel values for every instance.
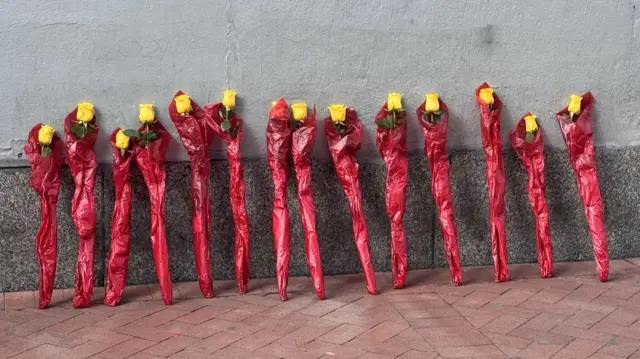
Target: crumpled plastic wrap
(343, 152)
(578, 136)
(435, 148)
(45, 180)
(531, 155)
(81, 159)
(492, 145)
(150, 160)
(303, 139)
(196, 137)
(236, 189)
(278, 148)
(392, 145)
(118, 260)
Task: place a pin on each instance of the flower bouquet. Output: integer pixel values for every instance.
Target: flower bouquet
(150, 147)
(433, 116)
(196, 136)
(44, 151)
(391, 139)
(81, 134)
(344, 133)
(526, 140)
(222, 119)
(122, 148)
(575, 124)
(278, 149)
(303, 139)
(490, 112)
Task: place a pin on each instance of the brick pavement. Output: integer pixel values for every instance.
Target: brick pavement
(571, 315)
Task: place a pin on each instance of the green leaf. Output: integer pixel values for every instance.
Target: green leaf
(225, 125)
(132, 133)
(233, 133)
(386, 123)
(45, 151)
(529, 136)
(151, 135)
(77, 130)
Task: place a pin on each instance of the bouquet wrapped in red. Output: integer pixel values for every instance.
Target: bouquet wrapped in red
(344, 134)
(121, 220)
(81, 134)
(196, 136)
(303, 139)
(278, 149)
(222, 120)
(490, 112)
(433, 116)
(527, 141)
(44, 151)
(150, 149)
(575, 124)
(391, 139)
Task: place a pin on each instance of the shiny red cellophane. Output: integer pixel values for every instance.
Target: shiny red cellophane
(578, 136)
(45, 180)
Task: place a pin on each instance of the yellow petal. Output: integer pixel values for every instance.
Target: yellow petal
(122, 140)
(575, 104)
(45, 135)
(299, 111)
(229, 99)
(431, 104)
(183, 104)
(486, 95)
(146, 114)
(530, 123)
(394, 102)
(338, 113)
(85, 112)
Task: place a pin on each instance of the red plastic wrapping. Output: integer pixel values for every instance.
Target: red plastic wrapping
(531, 154)
(236, 190)
(578, 136)
(150, 160)
(278, 148)
(343, 152)
(45, 180)
(196, 137)
(81, 159)
(392, 145)
(120, 225)
(492, 145)
(435, 148)
(303, 139)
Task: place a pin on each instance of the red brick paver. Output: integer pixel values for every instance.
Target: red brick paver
(569, 316)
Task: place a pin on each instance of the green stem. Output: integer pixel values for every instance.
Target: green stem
(393, 121)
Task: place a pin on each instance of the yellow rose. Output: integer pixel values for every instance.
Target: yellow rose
(574, 104)
(146, 114)
(45, 135)
(486, 95)
(183, 104)
(229, 99)
(394, 102)
(338, 113)
(299, 111)
(85, 112)
(122, 140)
(530, 123)
(431, 103)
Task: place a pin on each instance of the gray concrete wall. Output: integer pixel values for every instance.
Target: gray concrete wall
(119, 53)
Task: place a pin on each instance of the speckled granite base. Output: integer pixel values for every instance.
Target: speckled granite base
(20, 208)
(618, 178)
(618, 173)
